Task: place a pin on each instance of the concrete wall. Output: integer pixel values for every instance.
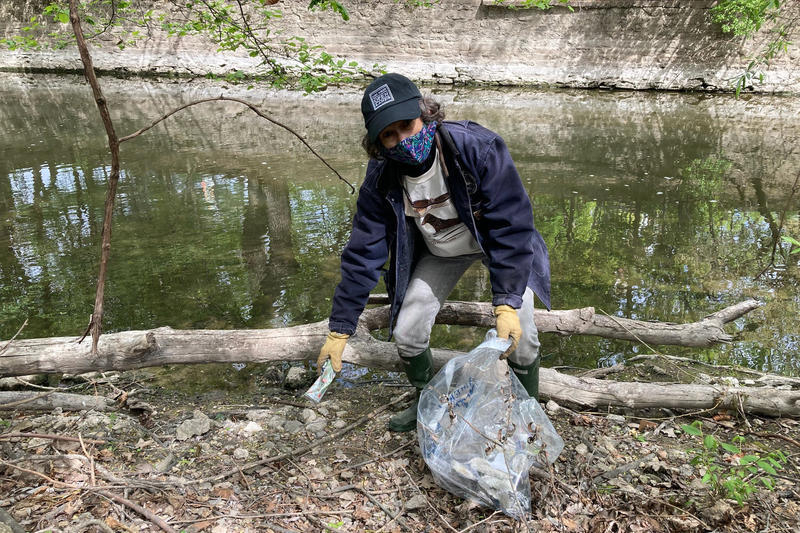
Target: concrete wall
(634, 44)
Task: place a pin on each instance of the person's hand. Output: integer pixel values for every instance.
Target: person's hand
(333, 348)
(508, 326)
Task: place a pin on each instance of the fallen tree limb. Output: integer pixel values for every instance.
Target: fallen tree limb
(34, 401)
(703, 333)
(590, 392)
(163, 346)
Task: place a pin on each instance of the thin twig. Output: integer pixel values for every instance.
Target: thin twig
(476, 524)
(4, 348)
(268, 515)
(49, 436)
(256, 111)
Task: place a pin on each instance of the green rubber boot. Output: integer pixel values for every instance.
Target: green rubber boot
(419, 370)
(528, 376)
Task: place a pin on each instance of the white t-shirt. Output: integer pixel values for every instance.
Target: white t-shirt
(427, 200)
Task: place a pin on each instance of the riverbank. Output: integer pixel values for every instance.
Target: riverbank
(245, 459)
(622, 44)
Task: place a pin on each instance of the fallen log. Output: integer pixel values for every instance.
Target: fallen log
(163, 346)
(591, 392)
(46, 401)
(585, 321)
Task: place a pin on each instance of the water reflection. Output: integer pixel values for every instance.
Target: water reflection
(657, 207)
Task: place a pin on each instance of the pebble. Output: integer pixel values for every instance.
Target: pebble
(339, 423)
(552, 407)
(241, 454)
(581, 449)
(316, 426)
(416, 502)
(292, 426)
(308, 415)
(198, 425)
(252, 428)
(295, 377)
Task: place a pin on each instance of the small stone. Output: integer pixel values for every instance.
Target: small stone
(418, 501)
(241, 454)
(308, 415)
(292, 426)
(198, 425)
(749, 382)
(581, 449)
(316, 426)
(347, 474)
(730, 381)
(552, 407)
(718, 514)
(251, 428)
(164, 464)
(617, 419)
(259, 414)
(339, 423)
(295, 378)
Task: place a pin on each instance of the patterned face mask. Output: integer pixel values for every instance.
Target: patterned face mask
(413, 150)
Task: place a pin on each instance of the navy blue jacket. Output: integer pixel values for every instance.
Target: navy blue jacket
(490, 199)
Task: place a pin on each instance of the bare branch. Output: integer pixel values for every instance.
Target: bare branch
(256, 111)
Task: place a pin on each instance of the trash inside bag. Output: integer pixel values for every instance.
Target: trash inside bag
(480, 432)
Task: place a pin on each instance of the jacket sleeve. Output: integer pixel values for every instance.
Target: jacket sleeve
(362, 259)
(506, 224)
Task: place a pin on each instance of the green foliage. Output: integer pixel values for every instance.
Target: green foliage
(231, 25)
(779, 44)
(530, 4)
(418, 3)
(333, 5)
(744, 18)
(728, 470)
(794, 244)
(702, 178)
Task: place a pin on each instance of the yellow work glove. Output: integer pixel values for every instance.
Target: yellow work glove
(333, 348)
(508, 326)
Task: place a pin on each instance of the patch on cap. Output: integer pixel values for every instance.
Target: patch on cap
(380, 96)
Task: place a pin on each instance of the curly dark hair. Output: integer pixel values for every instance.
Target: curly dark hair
(431, 111)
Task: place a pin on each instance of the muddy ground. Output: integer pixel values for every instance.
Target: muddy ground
(269, 460)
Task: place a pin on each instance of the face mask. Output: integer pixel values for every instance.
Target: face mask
(413, 150)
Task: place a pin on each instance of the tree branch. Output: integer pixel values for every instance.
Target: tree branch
(255, 110)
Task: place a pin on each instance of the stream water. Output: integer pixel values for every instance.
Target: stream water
(654, 206)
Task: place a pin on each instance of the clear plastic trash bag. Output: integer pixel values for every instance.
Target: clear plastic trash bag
(480, 432)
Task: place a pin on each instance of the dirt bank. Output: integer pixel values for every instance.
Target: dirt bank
(252, 461)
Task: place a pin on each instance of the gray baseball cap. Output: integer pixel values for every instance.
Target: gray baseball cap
(387, 99)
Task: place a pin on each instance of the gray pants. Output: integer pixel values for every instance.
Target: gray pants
(431, 283)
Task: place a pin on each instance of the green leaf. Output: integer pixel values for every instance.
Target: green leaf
(730, 448)
(710, 442)
(62, 17)
(766, 467)
(748, 459)
(691, 429)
